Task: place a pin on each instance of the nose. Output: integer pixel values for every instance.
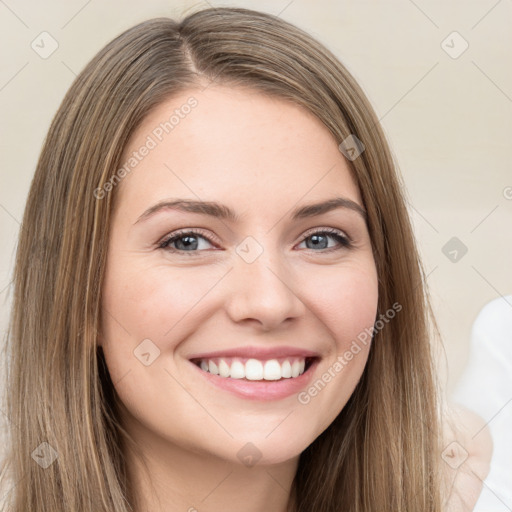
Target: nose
(263, 292)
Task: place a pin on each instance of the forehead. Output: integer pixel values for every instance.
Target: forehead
(224, 141)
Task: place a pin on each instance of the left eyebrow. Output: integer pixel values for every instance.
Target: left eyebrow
(222, 211)
(310, 210)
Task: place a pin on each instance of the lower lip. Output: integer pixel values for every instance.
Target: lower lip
(261, 390)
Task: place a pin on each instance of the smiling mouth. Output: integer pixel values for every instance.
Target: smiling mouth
(250, 369)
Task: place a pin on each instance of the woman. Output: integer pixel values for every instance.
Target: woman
(286, 363)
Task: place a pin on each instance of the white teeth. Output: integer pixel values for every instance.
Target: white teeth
(237, 370)
(272, 370)
(254, 369)
(295, 368)
(223, 368)
(286, 369)
(212, 368)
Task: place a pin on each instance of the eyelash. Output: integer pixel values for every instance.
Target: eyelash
(343, 240)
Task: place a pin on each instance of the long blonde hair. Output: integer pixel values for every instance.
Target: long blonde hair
(380, 453)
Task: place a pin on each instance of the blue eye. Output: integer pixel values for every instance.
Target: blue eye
(319, 238)
(188, 241)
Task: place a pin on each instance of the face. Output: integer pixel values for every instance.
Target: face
(270, 298)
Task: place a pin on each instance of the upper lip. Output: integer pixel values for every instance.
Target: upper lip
(257, 353)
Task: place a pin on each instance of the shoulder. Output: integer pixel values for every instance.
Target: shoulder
(466, 457)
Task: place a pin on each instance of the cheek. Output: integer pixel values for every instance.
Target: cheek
(346, 304)
(150, 303)
(345, 301)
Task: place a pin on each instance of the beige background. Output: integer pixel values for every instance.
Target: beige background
(449, 120)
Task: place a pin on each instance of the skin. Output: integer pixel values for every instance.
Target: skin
(262, 157)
